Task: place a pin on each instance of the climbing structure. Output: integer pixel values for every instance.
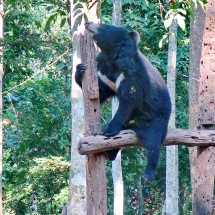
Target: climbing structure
(201, 139)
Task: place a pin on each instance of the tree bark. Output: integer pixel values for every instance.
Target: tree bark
(172, 186)
(96, 169)
(116, 164)
(196, 37)
(77, 183)
(202, 106)
(1, 99)
(117, 11)
(140, 196)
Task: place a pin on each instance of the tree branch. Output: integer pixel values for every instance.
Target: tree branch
(34, 75)
(128, 138)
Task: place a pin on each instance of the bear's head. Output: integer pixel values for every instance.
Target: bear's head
(109, 38)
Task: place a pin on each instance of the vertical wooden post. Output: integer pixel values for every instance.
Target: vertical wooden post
(204, 177)
(1, 99)
(202, 106)
(116, 164)
(81, 200)
(172, 186)
(96, 169)
(77, 183)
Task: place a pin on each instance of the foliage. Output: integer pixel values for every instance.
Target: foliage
(178, 11)
(39, 127)
(36, 114)
(46, 177)
(27, 46)
(38, 110)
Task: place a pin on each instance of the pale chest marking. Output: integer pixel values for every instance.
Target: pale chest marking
(111, 84)
(119, 80)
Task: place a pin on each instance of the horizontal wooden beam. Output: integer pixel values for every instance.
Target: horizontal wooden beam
(127, 138)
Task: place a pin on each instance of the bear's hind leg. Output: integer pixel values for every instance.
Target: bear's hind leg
(111, 155)
(153, 154)
(151, 137)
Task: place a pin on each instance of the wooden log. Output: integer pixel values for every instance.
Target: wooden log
(128, 138)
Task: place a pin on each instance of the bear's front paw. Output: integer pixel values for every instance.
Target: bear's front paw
(110, 132)
(79, 74)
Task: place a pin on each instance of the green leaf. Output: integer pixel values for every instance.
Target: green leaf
(38, 24)
(50, 19)
(62, 13)
(181, 21)
(168, 21)
(49, 8)
(63, 21)
(163, 40)
(182, 11)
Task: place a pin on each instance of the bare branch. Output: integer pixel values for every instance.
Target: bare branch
(34, 75)
(8, 11)
(127, 138)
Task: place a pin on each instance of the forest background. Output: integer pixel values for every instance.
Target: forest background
(37, 114)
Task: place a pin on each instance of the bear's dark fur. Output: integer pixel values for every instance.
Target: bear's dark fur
(126, 73)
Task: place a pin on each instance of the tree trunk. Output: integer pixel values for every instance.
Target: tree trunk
(116, 164)
(140, 196)
(79, 194)
(1, 99)
(202, 106)
(172, 151)
(96, 168)
(117, 11)
(77, 183)
(196, 36)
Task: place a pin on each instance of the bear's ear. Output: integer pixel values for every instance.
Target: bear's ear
(135, 36)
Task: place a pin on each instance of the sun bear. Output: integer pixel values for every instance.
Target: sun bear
(144, 101)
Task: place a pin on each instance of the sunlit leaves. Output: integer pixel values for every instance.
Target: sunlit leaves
(178, 12)
(181, 21)
(163, 40)
(79, 10)
(52, 18)
(37, 114)
(46, 177)
(175, 15)
(58, 10)
(168, 21)
(49, 164)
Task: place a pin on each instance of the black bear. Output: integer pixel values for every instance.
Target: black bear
(144, 100)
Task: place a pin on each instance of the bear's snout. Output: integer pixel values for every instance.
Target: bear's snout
(92, 27)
